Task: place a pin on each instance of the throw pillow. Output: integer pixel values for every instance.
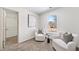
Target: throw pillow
(40, 32)
(67, 37)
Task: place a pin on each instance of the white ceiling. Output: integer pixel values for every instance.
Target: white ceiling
(40, 10)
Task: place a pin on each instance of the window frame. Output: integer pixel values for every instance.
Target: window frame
(55, 21)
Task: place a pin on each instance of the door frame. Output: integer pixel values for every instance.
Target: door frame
(4, 25)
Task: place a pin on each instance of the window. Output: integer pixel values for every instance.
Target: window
(31, 21)
(52, 23)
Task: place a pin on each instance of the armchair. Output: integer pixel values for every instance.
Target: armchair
(60, 45)
(39, 36)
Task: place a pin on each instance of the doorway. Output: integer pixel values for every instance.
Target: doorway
(11, 27)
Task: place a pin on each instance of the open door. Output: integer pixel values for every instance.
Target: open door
(2, 36)
(11, 27)
(8, 27)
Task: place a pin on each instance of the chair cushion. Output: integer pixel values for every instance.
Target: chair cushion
(40, 35)
(60, 43)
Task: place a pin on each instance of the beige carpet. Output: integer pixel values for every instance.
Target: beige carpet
(30, 45)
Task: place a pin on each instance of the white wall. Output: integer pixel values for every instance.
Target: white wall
(25, 33)
(67, 19)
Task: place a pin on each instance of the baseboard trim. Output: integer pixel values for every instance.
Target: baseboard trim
(26, 40)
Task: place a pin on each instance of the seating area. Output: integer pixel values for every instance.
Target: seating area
(61, 45)
(61, 41)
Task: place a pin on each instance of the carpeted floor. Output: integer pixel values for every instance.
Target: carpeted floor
(30, 45)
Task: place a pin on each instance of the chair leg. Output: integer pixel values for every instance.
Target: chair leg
(54, 49)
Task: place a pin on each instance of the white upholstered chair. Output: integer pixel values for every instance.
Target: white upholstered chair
(39, 36)
(60, 45)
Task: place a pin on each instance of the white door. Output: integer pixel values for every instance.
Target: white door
(11, 28)
(1, 28)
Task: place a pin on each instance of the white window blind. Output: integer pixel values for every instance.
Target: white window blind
(32, 21)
